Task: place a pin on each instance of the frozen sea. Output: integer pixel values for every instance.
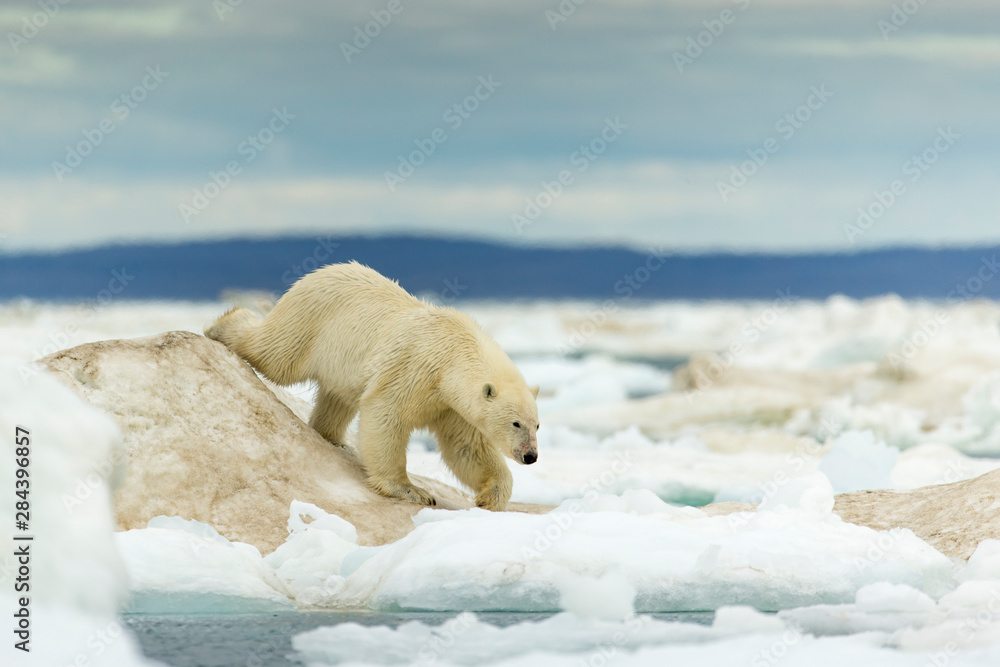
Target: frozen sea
(648, 411)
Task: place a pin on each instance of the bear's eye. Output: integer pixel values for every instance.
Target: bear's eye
(517, 424)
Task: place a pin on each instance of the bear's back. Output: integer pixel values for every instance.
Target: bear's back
(354, 283)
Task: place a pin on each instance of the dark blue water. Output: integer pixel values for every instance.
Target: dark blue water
(257, 640)
(453, 269)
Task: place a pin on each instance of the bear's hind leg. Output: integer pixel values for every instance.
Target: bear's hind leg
(383, 443)
(331, 417)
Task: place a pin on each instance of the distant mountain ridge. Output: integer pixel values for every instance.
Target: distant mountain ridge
(456, 269)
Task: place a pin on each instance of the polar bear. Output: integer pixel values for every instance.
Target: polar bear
(404, 364)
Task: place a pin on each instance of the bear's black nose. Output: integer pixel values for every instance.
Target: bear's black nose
(530, 458)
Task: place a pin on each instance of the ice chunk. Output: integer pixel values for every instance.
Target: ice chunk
(187, 567)
(883, 596)
(812, 494)
(984, 562)
(610, 597)
(310, 560)
(319, 519)
(973, 596)
(859, 462)
(676, 559)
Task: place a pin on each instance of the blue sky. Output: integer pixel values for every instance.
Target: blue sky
(745, 125)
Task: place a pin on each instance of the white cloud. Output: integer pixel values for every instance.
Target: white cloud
(789, 205)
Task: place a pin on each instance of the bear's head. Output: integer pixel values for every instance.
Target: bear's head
(511, 419)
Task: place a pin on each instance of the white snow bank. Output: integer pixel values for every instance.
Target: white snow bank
(601, 558)
(677, 559)
(184, 566)
(71, 577)
(179, 566)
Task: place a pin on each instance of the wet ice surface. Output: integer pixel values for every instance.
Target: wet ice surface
(782, 405)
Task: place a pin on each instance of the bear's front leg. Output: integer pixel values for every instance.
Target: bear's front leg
(494, 494)
(382, 443)
(475, 462)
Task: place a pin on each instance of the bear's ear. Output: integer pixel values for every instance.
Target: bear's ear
(534, 390)
(489, 391)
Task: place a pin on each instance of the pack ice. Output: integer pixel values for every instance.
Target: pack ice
(845, 501)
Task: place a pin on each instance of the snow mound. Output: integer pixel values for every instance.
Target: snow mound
(73, 600)
(178, 566)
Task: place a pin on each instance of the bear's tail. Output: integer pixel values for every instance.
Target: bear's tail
(232, 326)
(242, 332)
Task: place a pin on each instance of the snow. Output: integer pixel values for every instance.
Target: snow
(76, 580)
(207, 572)
(592, 557)
(610, 597)
(822, 398)
(310, 561)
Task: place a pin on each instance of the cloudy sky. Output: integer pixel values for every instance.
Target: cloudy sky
(747, 125)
